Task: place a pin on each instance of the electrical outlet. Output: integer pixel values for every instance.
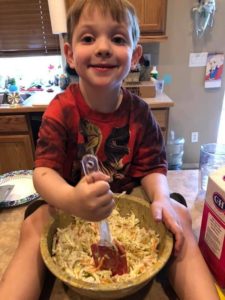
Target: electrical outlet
(194, 137)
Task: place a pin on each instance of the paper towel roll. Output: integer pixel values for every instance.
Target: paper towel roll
(57, 11)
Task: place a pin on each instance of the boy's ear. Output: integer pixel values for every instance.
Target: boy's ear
(69, 55)
(137, 53)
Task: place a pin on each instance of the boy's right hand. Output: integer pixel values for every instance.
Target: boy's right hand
(93, 199)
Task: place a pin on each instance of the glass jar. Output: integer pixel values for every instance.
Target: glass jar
(212, 157)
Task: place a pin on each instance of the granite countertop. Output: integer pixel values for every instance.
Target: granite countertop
(181, 181)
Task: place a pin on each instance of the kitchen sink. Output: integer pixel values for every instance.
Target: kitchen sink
(24, 96)
(4, 97)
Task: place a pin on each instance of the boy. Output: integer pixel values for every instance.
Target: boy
(98, 116)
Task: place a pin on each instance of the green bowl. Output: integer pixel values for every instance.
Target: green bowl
(125, 204)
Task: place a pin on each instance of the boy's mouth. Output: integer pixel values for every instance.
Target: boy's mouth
(103, 66)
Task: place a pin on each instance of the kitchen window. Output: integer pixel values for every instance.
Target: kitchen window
(25, 29)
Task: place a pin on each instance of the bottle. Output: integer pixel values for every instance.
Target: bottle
(175, 151)
(154, 73)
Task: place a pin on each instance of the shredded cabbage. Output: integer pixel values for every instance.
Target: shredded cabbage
(71, 248)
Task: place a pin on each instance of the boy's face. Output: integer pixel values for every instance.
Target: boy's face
(102, 50)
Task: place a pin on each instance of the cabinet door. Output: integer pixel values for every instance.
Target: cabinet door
(68, 3)
(152, 15)
(162, 117)
(13, 123)
(16, 153)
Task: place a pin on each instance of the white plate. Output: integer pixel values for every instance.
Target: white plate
(23, 190)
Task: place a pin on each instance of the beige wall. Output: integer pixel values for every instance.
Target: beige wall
(196, 108)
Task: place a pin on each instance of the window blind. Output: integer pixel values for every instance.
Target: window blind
(25, 29)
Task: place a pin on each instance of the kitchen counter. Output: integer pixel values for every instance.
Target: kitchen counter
(181, 181)
(38, 102)
(159, 101)
(19, 126)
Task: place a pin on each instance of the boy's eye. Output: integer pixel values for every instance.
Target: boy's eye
(87, 39)
(119, 40)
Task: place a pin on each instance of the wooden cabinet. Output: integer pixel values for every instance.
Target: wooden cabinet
(19, 127)
(162, 117)
(16, 143)
(68, 3)
(152, 18)
(160, 107)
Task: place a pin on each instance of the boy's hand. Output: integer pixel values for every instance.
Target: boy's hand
(93, 199)
(163, 210)
(156, 188)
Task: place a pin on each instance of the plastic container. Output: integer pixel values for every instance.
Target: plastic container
(175, 152)
(159, 86)
(154, 73)
(212, 157)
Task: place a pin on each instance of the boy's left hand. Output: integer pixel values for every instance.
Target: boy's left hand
(156, 187)
(163, 210)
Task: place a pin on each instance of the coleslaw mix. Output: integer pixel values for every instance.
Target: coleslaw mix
(71, 248)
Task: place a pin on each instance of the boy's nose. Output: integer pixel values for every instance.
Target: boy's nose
(103, 48)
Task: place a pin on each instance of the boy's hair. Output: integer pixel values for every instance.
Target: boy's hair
(120, 10)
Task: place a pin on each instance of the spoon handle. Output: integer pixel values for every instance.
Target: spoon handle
(90, 164)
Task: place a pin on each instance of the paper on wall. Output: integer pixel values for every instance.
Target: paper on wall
(214, 70)
(198, 59)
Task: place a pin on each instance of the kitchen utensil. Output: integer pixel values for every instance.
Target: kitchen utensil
(115, 290)
(107, 255)
(5, 190)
